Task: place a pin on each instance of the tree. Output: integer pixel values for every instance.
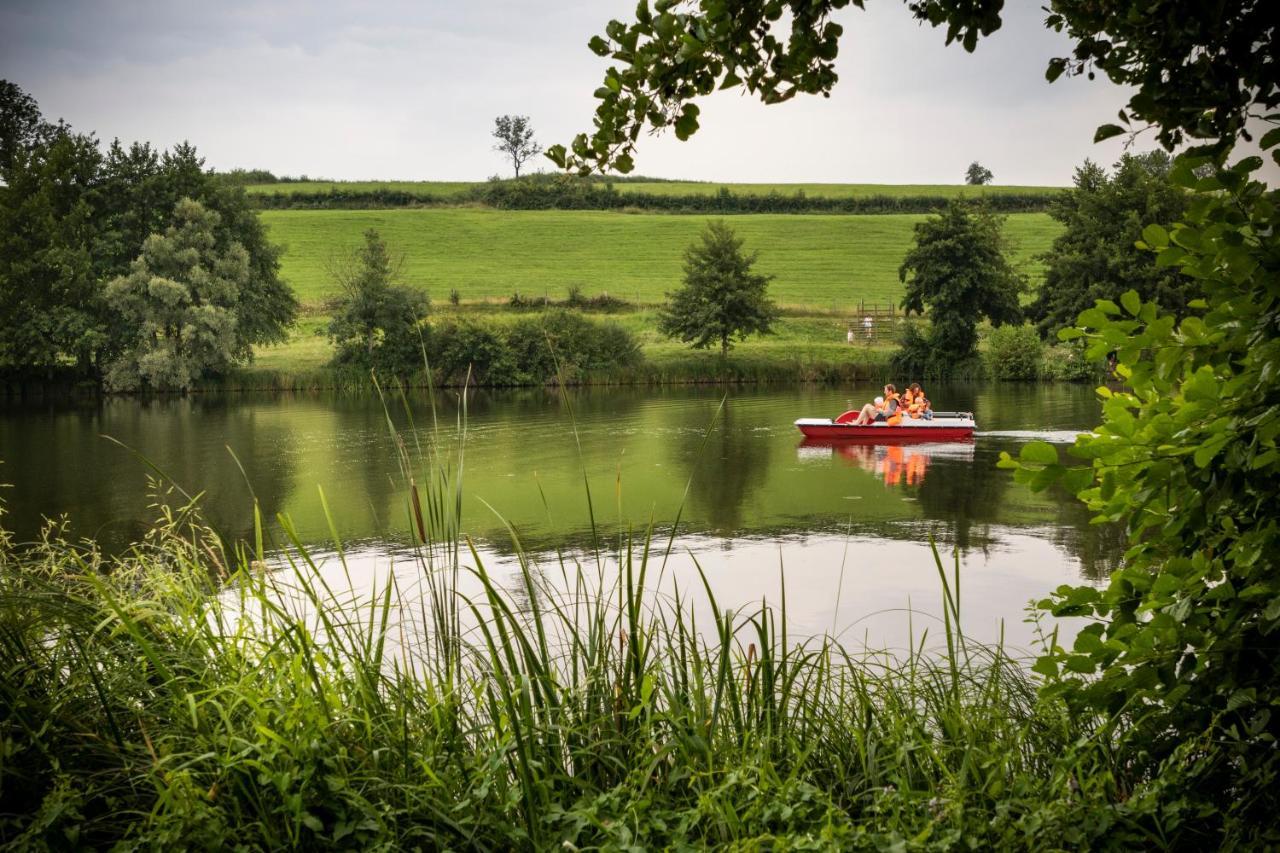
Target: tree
(377, 324)
(957, 269)
(51, 310)
(1095, 257)
(21, 125)
(721, 298)
(179, 303)
(977, 174)
(515, 139)
(1179, 653)
(73, 218)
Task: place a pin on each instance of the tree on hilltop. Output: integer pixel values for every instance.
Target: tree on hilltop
(515, 139)
(721, 298)
(977, 174)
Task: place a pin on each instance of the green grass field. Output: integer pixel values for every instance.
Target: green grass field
(820, 261)
(452, 188)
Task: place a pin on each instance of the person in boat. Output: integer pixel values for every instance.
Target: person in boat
(885, 409)
(916, 404)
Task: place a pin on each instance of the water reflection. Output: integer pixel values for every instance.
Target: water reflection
(726, 466)
(529, 463)
(896, 465)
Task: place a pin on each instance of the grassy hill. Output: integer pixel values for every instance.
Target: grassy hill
(822, 261)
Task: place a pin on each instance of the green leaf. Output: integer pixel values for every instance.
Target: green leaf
(1270, 139)
(556, 154)
(1155, 236)
(1041, 452)
(1131, 302)
(687, 124)
(1107, 131)
(598, 46)
(1069, 333)
(1077, 479)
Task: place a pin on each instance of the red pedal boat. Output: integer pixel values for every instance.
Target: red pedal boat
(944, 426)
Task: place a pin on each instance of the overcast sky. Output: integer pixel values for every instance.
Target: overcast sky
(409, 90)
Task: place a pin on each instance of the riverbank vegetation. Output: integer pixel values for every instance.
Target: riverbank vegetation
(192, 699)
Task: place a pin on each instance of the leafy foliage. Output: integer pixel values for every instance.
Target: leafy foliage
(51, 306)
(22, 126)
(1014, 352)
(721, 298)
(1095, 257)
(179, 302)
(515, 139)
(377, 323)
(977, 174)
(73, 218)
(558, 346)
(1182, 658)
(958, 271)
(1177, 60)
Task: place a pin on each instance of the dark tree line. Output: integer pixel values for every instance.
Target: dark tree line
(74, 217)
(561, 192)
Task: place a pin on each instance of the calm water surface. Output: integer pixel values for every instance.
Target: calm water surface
(849, 526)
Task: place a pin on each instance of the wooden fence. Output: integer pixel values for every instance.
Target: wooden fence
(872, 324)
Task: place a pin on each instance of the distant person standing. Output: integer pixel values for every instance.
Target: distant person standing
(867, 327)
(849, 336)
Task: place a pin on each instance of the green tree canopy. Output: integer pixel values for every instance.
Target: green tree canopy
(957, 271)
(377, 323)
(722, 298)
(977, 174)
(73, 218)
(1096, 257)
(51, 308)
(179, 304)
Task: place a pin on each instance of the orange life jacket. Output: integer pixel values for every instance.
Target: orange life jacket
(895, 417)
(919, 404)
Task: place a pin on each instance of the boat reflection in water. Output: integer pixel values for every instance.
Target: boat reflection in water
(897, 464)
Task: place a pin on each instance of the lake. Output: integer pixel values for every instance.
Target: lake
(847, 526)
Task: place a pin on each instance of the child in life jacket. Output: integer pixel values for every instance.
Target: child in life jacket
(916, 403)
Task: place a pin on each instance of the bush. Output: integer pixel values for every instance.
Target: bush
(468, 351)
(525, 303)
(533, 350)
(1014, 352)
(916, 356)
(1070, 363)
